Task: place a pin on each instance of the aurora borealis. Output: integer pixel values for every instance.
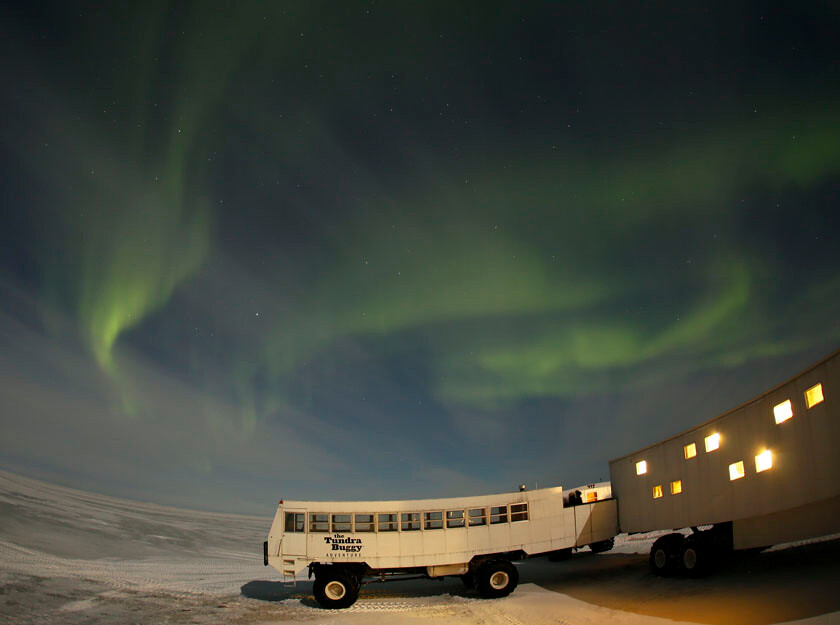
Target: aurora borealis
(323, 250)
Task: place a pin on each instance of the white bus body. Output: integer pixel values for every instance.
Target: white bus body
(434, 537)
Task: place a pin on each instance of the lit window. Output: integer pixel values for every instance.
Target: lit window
(676, 487)
(814, 396)
(736, 470)
(782, 412)
(763, 461)
(657, 491)
(712, 442)
(641, 467)
(690, 450)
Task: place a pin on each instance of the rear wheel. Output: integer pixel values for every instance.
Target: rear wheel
(335, 589)
(697, 556)
(665, 554)
(496, 578)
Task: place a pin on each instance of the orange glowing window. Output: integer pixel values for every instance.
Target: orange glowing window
(690, 450)
(641, 467)
(712, 441)
(657, 491)
(814, 396)
(782, 412)
(736, 470)
(763, 461)
(676, 487)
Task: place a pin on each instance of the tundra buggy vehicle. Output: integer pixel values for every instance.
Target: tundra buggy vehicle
(346, 544)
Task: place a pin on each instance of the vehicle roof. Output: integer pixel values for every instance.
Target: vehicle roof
(447, 503)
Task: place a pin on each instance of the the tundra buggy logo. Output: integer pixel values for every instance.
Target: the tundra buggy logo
(341, 543)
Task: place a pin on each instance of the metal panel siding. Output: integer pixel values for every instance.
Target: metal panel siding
(478, 537)
(456, 539)
(434, 542)
(520, 533)
(787, 525)
(604, 520)
(411, 544)
(805, 461)
(583, 525)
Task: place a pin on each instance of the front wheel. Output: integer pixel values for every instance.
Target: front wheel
(336, 589)
(496, 578)
(665, 554)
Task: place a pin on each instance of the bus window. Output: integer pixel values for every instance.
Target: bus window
(410, 521)
(498, 514)
(341, 523)
(519, 512)
(294, 522)
(433, 520)
(455, 518)
(478, 516)
(364, 523)
(388, 522)
(319, 522)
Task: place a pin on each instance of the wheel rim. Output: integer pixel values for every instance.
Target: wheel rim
(499, 580)
(689, 558)
(659, 558)
(335, 590)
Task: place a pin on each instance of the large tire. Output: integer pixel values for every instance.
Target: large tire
(698, 556)
(335, 588)
(496, 578)
(666, 554)
(602, 545)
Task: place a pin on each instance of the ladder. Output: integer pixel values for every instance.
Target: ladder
(288, 572)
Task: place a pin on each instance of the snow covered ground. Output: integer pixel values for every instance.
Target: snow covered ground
(68, 556)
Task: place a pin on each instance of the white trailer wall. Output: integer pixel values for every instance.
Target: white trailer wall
(804, 477)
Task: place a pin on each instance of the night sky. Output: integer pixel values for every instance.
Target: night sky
(408, 249)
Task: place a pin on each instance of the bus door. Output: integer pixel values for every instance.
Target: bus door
(294, 533)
